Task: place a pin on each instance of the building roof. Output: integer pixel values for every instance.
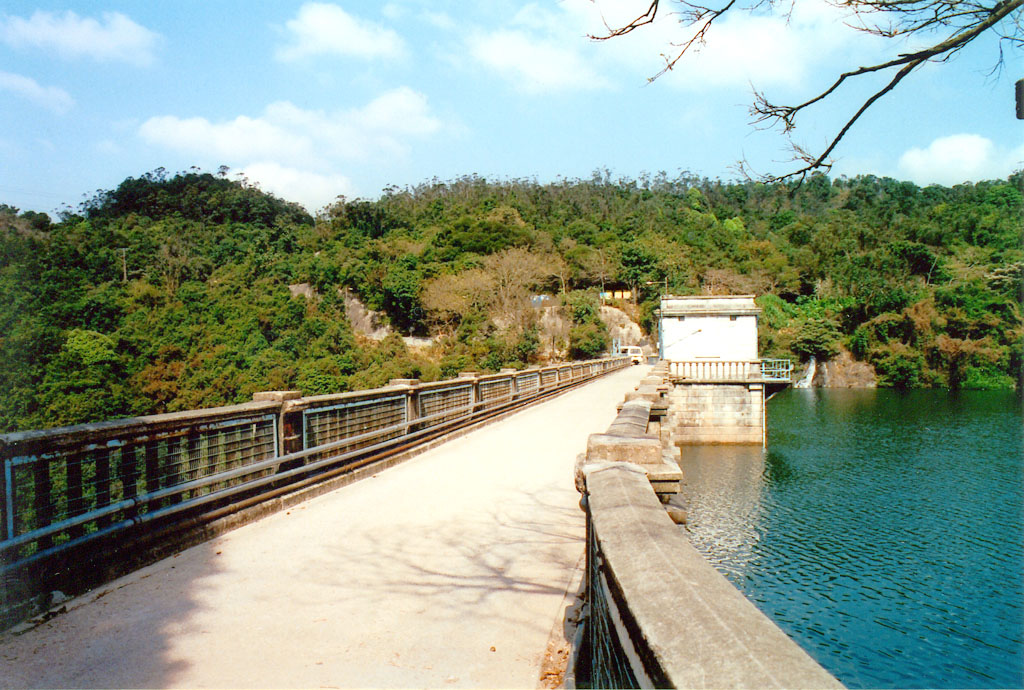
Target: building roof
(709, 305)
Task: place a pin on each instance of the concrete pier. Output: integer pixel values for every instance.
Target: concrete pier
(700, 413)
(450, 570)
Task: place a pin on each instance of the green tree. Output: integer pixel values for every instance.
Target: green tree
(819, 338)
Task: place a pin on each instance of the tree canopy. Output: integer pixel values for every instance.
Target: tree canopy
(175, 292)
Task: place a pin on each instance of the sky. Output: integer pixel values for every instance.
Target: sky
(312, 100)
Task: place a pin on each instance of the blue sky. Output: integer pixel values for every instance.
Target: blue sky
(317, 99)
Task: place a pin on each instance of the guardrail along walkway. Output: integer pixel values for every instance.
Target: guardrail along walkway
(446, 571)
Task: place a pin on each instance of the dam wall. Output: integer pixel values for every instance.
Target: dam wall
(657, 614)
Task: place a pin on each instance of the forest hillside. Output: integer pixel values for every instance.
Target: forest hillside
(172, 292)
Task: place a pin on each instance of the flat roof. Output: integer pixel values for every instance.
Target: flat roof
(709, 305)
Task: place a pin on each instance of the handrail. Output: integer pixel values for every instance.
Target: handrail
(62, 487)
(710, 370)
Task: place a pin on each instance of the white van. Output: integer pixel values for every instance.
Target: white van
(635, 353)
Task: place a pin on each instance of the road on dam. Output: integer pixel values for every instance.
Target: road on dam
(448, 570)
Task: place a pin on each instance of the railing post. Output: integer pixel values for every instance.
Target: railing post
(474, 389)
(290, 437)
(289, 420)
(411, 400)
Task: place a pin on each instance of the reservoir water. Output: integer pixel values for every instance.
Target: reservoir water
(882, 530)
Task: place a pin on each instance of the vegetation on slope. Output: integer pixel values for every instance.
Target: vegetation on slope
(925, 284)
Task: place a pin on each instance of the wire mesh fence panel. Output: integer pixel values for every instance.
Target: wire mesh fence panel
(527, 384)
(608, 666)
(98, 484)
(495, 392)
(449, 403)
(373, 420)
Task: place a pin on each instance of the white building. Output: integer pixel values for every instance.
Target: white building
(708, 328)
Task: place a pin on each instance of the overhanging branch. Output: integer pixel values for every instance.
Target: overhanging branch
(966, 21)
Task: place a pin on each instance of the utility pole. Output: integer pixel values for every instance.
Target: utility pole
(124, 263)
(661, 298)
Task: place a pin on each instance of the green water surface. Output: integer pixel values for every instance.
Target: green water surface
(881, 529)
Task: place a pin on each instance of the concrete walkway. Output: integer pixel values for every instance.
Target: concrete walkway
(447, 571)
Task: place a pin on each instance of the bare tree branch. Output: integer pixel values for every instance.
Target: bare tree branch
(645, 18)
(965, 21)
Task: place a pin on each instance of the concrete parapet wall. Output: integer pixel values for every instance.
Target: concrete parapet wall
(629, 438)
(660, 614)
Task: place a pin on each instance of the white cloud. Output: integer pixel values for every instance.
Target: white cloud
(241, 138)
(400, 110)
(324, 29)
(294, 152)
(289, 134)
(959, 158)
(742, 48)
(439, 20)
(312, 190)
(546, 49)
(116, 38)
(50, 97)
(535, 63)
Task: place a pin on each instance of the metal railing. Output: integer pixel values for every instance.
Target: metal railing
(60, 488)
(711, 370)
(62, 485)
(776, 369)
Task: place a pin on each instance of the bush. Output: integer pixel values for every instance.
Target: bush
(588, 341)
(525, 349)
(898, 366)
(582, 306)
(775, 312)
(860, 342)
(986, 378)
(454, 363)
(818, 338)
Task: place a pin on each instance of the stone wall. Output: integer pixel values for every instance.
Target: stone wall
(716, 413)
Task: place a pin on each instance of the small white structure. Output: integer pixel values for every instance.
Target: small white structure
(718, 381)
(708, 328)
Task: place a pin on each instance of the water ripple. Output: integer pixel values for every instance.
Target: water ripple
(883, 531)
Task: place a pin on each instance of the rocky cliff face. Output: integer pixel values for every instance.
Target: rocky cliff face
(553, 322)
(843, 371)
(555, 326)
(372, 324)
(622, 327)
